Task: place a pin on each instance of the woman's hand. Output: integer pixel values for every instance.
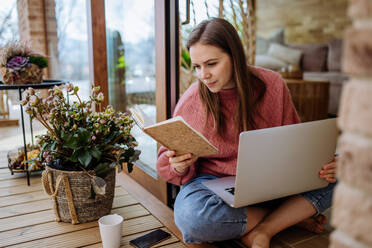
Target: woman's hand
(181, 163)
(328, 171)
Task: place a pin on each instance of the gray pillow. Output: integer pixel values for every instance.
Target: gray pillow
(269, 62)
(314, 56)
(262, 44)
(334, 55)
(289, 55)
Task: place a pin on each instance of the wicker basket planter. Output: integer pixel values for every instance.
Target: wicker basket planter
(32, 74)
(71, 191)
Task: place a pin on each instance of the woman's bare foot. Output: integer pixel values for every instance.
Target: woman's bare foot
(314, 224)
(257, 239)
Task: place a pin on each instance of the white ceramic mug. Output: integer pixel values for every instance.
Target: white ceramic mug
(110, 228)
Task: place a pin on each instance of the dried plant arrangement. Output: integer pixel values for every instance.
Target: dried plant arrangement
(19, 64)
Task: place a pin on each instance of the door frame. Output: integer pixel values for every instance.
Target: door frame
(166, 71)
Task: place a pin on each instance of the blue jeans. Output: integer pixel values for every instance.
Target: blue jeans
(202, 216)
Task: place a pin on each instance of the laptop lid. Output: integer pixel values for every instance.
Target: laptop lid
(281, 161)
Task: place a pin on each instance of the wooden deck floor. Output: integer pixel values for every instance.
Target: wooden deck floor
(27, 220)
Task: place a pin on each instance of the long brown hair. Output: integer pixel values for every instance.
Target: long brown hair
(220, 33)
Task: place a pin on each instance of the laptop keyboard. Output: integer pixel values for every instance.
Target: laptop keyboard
(231, 190)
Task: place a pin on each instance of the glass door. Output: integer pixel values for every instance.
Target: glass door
(240, 13)
(136, 75)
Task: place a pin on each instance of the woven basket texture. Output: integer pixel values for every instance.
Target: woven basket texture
(87, 210)
(27, 75)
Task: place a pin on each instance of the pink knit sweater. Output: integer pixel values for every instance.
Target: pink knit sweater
(276, 108)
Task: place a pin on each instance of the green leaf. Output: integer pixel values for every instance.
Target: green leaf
(121, 62)
(96, 153)
(44, 146)
(42, 62)
(101, 167)
(75, 155)
(85, 158)
(84, 136)
(104, 168)
(70, 141)
(53, 146)
(111, 137)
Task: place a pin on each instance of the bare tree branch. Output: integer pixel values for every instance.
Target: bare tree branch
(252, 32)
(234, 15)
(4, 25)
(206, 8)
(220, 9)
(193, 12)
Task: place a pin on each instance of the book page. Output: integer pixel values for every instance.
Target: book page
(175, 134)
(139, 116)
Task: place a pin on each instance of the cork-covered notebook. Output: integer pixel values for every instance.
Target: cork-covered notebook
(175, 134)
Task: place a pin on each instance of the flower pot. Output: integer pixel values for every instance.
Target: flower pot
(71, 195)
(27, 75)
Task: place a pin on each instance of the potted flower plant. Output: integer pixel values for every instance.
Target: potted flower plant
(81, 150)
(20, 65)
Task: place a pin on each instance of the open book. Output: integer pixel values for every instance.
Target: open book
(174, 134)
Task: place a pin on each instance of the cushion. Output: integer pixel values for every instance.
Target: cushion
(334, 55)
(314, 56)
(289, 55)
(268, 62)
(262, 44)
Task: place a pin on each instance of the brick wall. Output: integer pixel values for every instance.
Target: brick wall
(304, 21)
(37, 24)
(352, 212)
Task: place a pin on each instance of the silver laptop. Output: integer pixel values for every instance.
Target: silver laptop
(277, 162)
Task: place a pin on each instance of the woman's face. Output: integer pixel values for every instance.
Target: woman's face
(213, 66)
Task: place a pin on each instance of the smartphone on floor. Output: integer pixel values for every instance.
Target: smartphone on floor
(150, 239)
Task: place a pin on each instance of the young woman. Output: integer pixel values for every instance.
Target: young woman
(228, 98)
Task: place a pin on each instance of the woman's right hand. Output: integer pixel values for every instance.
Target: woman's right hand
(181, 163)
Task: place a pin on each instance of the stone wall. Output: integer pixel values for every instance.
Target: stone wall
(352, 212)
(37, 24)
(305, 21)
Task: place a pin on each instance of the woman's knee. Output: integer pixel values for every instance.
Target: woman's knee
(208, 220)
(192, 225)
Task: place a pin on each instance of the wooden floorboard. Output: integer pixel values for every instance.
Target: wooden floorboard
(18, 175)
(154, 206)
(125, 240)
(15, 181)
(4, 171)
(22, 198)
(20, 189)
(91, 236)
(25, 208)
(38, 195)
(27, 219)
(36, 206)
(176, 245)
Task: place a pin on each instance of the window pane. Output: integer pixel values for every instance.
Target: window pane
(130, 29)
(8, 22)
(72, 60)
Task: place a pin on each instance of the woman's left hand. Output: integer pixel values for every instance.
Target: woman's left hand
(328, 171)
